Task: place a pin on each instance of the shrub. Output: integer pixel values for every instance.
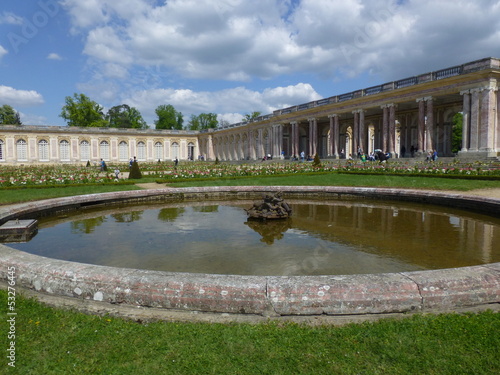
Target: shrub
(316, 161)
(135, 172)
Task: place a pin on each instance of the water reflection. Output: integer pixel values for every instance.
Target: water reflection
(270, 230)
(335, 237)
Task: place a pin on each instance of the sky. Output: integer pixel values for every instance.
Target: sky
(229, 57)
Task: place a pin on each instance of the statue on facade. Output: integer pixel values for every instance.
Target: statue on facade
(272, 207)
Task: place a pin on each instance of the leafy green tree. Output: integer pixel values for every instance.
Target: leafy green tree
(9, 116)
(79, 110)
(203, 121)
(168, 117)
(456, 136)
(252, 116)
(194, 123)
(124, 116)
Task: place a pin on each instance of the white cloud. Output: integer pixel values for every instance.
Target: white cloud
(10, 18)
(30, 119)
(241, 41)
(229, 103)
(54, 56)
(3, 52)
(19, 98)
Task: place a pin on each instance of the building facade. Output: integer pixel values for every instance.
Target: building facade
(414, 113)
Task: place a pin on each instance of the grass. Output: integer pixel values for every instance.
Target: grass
(54, 341)
(337, 179)
(9, 196)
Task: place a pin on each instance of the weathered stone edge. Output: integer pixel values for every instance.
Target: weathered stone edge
(271, 295)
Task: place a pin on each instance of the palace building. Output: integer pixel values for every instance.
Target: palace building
(412, 113)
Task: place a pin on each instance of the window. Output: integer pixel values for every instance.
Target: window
(84, 151)
(22, 150)
(43, 150)
(158, 151)
(64, 150)
(175, 150)
(2, 156)
(104, 150)
(141, 151)
(123, 151)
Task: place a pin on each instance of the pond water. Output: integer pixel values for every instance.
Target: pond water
(321, 238)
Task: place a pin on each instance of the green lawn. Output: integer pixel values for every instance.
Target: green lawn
(55, 341)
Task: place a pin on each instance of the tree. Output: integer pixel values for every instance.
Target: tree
(124, 116)
(79, 110)
(252, 116)
(194, 123)
(168, 117)
(8, 116)
(203, 121)
(456, 137)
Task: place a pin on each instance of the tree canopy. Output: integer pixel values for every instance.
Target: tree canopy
(124, 116)
(79, 110)
(168, 117)
(252, 116)
(8, 116)
(203, 121)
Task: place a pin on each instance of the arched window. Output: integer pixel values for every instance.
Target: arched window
(104, 150)
(158, 151)
(43, 150)
(22, 150)
(123, 151)
(84, 151)
(64, 150)
(2, 156)
(175, 150)
(141, 151)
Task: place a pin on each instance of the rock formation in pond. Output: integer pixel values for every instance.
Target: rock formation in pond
(272, 207)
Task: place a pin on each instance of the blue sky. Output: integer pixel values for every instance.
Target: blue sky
(229, 57)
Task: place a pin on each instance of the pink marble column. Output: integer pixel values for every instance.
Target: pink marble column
(385, 127)
(294, 140)
(487, 125)
(421, 125)
(363, 138)
(355, 134)
(313, 136)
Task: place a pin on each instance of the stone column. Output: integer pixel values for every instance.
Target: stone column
(363, 138)
(294, 140)
(474, 120)
(210, 148)
(355, 134)
(392, 129)
(421, 125)
(465, 120)
(385, 127)
(487, 125)
(429, 125)
(260, 144)
(313, 136)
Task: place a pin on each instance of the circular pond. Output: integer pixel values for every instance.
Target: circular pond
(340, 237)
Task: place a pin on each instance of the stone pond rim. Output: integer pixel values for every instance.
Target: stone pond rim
(270, 296)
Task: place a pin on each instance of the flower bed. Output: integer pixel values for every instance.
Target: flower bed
(50, 175)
